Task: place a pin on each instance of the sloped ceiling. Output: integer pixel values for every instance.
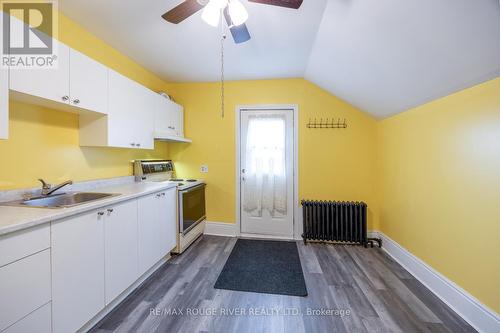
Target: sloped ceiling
(382, 56)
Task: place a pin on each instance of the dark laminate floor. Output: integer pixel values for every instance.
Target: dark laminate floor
(380, 295)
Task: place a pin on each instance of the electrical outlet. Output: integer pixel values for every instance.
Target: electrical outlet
(204, 168)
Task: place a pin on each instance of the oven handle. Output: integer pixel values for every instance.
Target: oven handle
(189, 190)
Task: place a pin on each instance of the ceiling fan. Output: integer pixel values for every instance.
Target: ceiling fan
(234, 13)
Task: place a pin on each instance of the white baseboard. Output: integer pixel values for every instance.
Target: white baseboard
(464, 304)
(220, 229)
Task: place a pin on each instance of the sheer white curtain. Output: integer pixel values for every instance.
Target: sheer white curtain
(265, 168)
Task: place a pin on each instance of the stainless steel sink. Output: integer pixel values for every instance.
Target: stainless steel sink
(60, 200)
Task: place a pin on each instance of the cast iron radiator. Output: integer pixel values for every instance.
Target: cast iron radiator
(336, 221)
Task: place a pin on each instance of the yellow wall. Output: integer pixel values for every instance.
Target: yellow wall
(440, 186)
(334, 164)
(44, 143)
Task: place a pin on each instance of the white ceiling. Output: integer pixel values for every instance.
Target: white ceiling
(387, 56)
(383, 56)
(281, 41)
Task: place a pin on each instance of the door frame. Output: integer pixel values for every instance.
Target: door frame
(297, 227)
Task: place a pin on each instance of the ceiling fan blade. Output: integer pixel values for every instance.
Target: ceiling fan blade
(295, 4)
(182, 11)
(240, 32)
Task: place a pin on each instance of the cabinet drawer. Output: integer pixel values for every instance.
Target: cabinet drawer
(24, 287)
(24, 243)
(38, 321)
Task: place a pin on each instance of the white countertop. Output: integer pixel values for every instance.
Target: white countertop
(18, 218)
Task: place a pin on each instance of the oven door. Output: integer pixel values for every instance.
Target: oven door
(191, 207)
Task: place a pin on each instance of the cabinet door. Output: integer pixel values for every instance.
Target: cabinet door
(50, 84)
(24, 287)
(88, 83)
(149, 232)
(4, 93)
(179, 121)
(163, 116)
(176, 119)
(121, 110)
(77, 271)
(120, 248)
(168, 220)
(38, 321)
(145, 121)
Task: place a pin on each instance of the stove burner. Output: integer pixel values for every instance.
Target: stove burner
(190, 180)
(176, 180)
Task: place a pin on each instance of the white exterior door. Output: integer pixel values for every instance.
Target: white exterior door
(266, 173)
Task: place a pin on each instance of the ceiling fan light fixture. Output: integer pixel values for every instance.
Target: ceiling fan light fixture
(238, 12)
(211, 14)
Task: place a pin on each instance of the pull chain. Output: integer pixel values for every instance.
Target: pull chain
(222, 65)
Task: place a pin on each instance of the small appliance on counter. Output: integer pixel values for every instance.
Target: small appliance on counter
(191, 210)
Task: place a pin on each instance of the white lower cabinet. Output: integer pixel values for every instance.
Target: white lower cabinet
(93, 258)
(121, 263)
(168, 220)
(157, 227)
(24, 287)
(38, 321)
(148, 232)
(77, 270)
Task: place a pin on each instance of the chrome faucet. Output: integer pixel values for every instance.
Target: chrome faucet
(47, 189)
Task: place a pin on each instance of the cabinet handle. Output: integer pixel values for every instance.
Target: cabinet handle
(132, 144)
(65, 98)
(158, 195)
(100, 213)
(76, 101)
(138, 144)
(110, 210)
(163, 194)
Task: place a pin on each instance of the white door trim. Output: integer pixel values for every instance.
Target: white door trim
(297, 227)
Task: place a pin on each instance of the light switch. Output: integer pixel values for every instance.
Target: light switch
(204, 168)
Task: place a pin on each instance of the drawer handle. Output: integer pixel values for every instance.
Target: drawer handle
(76, 101)
(110, 210)
(65, 98)
(100, 213)
(132, 144)
(138, 144)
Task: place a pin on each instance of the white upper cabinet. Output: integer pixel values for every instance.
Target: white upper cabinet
(130, 120)
(130, 113)
(88, 83)
(77, 81)
(169, 119)
(48, 84)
